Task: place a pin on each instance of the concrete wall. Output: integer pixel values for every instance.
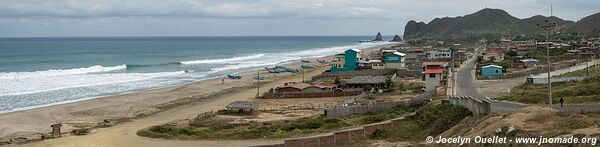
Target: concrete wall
(474, 105)
(553, 80)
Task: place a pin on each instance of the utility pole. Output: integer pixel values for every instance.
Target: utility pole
(302, 75)
(257, 83)
(547, 26)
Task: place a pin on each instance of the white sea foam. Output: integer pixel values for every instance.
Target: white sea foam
(224, 60)
(61, 72)
(20, 86)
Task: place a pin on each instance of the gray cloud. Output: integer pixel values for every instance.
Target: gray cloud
(243, 17)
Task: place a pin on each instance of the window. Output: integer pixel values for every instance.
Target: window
(431, 75)
(496, 71)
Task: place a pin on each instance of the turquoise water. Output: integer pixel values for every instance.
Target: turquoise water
(38, 72)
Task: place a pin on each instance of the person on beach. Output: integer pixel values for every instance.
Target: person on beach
(222, 81)
(561, 101)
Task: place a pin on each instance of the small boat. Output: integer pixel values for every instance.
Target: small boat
(305, 61)
(230, 76)
(292, 70)
(322, 61)
(273, 70)
(307, 66)
(276, 69)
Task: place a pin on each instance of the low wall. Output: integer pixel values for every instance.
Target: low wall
(409, 73)
(553, 80)
(372, 107)
(474, 105)
(331, 139)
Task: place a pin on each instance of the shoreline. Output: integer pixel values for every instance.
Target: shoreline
(135, 105)
(286, 63)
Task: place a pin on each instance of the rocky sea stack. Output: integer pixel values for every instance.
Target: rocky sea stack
(396, 39)
(378, 37)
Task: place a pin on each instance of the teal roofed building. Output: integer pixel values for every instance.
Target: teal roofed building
(394, 60)
(347, 61)
(491, 70)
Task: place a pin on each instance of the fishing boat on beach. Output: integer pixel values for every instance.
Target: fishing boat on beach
(230, 76)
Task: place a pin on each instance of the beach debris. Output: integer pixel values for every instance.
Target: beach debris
(81, 131)
(499, 130)
(231, 76)
(261, 77)
(510, 129)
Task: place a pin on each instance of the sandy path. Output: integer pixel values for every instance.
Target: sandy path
(124, 134)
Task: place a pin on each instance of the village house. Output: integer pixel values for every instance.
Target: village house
(305, 90)
(527, 63)
(394, 60)
(439, 54)
(347, 61)
(524, 47)
(377, 64)
(433, 73)
(495, 55)
(491, 70)
(586, 51)
(367, 82)
(414, 56)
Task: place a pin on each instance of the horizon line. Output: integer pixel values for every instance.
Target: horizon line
(151, 36)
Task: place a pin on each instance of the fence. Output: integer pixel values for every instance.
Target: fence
(201, 117)
(333, 93)
(372, 107)
(476, 106)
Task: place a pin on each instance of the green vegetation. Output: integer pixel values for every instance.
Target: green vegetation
(224, 130)
(584, 91)
(432, 121)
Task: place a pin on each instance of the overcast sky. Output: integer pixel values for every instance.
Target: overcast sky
(23, 18)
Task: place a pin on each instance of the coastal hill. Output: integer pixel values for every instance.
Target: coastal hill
(588, 25)
(485, 22)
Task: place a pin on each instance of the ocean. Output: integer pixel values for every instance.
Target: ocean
(36, 72)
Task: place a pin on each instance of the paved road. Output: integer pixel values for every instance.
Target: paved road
(465, 86)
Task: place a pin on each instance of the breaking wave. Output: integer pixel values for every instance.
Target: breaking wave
(224, 60)
(61, 72)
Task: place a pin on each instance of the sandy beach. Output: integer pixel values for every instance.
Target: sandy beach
(138, 110)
